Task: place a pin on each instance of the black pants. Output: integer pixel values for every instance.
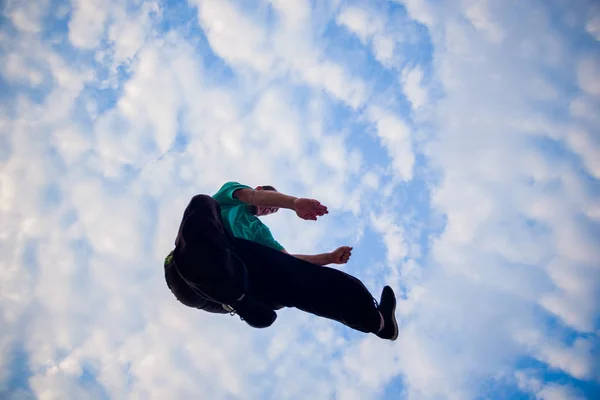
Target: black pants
(212, 268)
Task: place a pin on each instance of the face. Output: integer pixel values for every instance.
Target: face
(262, 211)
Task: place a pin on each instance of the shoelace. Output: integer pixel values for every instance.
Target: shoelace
(376, 303)
(232, 312)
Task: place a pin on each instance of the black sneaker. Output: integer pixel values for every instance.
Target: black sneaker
(255, 313)
(387, 308)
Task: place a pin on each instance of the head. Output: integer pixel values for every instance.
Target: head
(262, 211)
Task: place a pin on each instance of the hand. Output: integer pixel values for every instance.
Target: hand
(341, 255)
(309, 209)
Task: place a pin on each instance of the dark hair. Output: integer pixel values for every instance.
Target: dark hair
(254, 209)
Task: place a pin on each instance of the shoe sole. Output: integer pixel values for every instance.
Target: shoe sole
(394, 321)
(395, 335)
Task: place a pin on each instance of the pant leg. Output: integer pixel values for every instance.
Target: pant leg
(204, 255)
(279, 278)
(186, 295)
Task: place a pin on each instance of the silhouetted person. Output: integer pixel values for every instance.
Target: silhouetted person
(226, 260)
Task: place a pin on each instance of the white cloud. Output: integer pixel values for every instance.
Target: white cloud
(129, 32)
(233, 36)
(166, 92)
(420, 11)
(588, 75)
(383, 48)
(71, 144)
(558, 392)
(294, 14)
(371, 28)
(479, 14)
(576, 360)
(27, 17)
(243, 42)
(336, 81)
(587, 145)
(362, 23)
(485, 160)
(551, 391)
(592, 26)
(19, 70)
(393, 237)
(371, 179)
(334, 153)
(585, 107)
(86, 26)
(413, 88)
(394, 134)
(484, 242)
(277, 126)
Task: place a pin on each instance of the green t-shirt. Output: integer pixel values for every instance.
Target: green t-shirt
(238, 219)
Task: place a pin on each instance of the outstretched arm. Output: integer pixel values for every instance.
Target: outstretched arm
(318, 259)
(308, 209)
(339, 256)
(265, 198)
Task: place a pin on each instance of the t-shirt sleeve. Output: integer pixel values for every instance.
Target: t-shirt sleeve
(265, 237)
(225, 195)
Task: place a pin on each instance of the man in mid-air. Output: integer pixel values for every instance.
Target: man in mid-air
(226, 260)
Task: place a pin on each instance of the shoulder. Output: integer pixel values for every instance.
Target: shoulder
(232, 185)
(239, 191)
(243, 194)
(231, 191)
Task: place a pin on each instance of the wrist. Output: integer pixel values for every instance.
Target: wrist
(293, 201)
(328, 258)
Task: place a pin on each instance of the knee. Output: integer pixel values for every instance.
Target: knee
(203, 201)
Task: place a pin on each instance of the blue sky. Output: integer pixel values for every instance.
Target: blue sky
(455, 143)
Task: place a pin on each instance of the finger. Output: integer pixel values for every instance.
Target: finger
(319, 206)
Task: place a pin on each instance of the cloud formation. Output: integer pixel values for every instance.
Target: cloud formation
(456, 145)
